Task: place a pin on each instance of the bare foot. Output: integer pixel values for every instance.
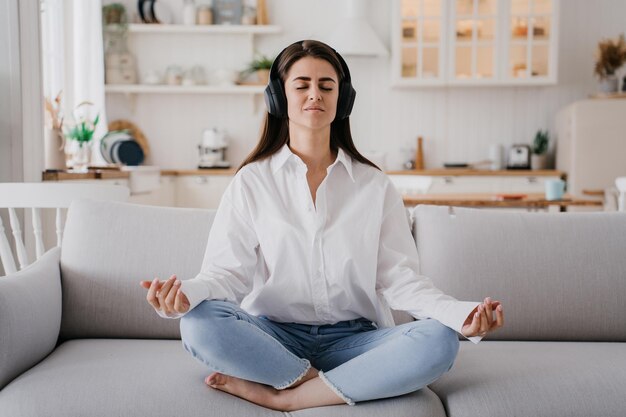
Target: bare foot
(260, 394)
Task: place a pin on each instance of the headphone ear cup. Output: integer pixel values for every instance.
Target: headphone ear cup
(347, 94)
(275, 99)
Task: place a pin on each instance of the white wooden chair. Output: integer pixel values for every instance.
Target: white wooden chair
(44, 195)
(620, 183)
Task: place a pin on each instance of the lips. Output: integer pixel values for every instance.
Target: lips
(314, 108)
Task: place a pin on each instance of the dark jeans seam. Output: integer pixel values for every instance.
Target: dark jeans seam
(239, 317)
(344, 347)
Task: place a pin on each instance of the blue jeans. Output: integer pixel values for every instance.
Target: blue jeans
(356, 360)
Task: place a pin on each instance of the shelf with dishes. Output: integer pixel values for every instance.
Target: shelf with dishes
(199, 29)
(184, 89)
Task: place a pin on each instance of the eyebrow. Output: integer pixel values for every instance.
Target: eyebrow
(309, 79)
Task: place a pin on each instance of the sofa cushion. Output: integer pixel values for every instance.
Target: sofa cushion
(109, 377)
(30, 315)
(559, 276)
(108, 247)
(535, 379)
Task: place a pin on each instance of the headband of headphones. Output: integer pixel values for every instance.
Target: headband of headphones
(276, 100)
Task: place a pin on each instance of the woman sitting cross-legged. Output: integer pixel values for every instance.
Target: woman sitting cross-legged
(309, 249)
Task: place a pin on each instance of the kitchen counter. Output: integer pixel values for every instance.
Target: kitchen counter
(213, 171)
(529, 201)
(478, 172)
(93, 174)
(113, 173)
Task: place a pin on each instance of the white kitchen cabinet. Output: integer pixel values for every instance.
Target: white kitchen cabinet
(196, 191)
(458, 184)
(201, 191)
(164, 195)
(474, 42)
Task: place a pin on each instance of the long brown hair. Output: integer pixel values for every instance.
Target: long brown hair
(276, 130)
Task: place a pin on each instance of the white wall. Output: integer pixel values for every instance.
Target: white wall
(10, 94)
(458, 123)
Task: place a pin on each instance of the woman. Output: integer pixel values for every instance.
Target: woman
(309, 249)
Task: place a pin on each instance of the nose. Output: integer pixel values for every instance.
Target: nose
(315, 94)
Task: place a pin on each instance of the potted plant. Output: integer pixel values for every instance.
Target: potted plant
(611, 55)
(115, 14)
(539, 158)
(81, 135)
(261, 66)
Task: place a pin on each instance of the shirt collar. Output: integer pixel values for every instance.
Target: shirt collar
(284, 154)
(346, 161)
(280, 158)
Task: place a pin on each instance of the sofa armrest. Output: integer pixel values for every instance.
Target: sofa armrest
(30, 315)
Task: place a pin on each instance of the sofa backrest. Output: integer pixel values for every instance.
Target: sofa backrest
(559, 276)
(108, 247)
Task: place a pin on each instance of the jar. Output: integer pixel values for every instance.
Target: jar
(174, 75)
(249, 16)
(204, 15)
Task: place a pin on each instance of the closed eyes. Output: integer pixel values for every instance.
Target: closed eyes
(321, 88)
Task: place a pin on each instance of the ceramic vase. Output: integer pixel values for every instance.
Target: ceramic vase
(539, 161)
(54, 144)
(263, 75)
(609, 84)
(80, 156)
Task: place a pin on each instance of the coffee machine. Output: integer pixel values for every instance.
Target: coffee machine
(212, 149)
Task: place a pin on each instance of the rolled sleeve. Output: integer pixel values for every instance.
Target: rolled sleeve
(230, 257)
(398, 277)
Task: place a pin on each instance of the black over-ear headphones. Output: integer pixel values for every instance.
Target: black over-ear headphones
(276, 100)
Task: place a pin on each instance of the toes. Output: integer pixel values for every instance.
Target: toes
(216, 380)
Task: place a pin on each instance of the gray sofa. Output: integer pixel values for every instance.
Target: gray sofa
(78, 339)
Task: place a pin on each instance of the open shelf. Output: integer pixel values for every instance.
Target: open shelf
(183, 89)
(216, 29)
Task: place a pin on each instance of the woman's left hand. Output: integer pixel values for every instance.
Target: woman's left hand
(480, 321)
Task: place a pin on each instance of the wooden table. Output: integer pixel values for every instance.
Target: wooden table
(531, 201)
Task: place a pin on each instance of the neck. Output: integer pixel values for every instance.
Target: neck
(312, 146)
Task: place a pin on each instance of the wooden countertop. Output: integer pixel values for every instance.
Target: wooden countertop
(93, 174)
(113, 172)
(532, 200)
(212, 171)
(480, 172)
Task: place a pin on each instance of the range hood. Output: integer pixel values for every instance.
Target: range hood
(355, 36)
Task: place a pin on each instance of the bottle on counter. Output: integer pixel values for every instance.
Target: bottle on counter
(419, 154)
(189, 13)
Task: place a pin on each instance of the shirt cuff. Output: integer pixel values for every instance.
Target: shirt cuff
(172, 316)
(196, 291)
(474, 339)
(456, 314)
(470, 306)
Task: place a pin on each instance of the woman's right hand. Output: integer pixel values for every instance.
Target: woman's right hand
(166, 296)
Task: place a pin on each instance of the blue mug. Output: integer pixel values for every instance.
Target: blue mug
(555, 189)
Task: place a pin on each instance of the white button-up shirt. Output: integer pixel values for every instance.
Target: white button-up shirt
(349, 254)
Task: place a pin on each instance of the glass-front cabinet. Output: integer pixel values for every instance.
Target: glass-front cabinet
(474, 42)
(531, 55)
(422, 40)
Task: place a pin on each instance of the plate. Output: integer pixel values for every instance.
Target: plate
(505, 197)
